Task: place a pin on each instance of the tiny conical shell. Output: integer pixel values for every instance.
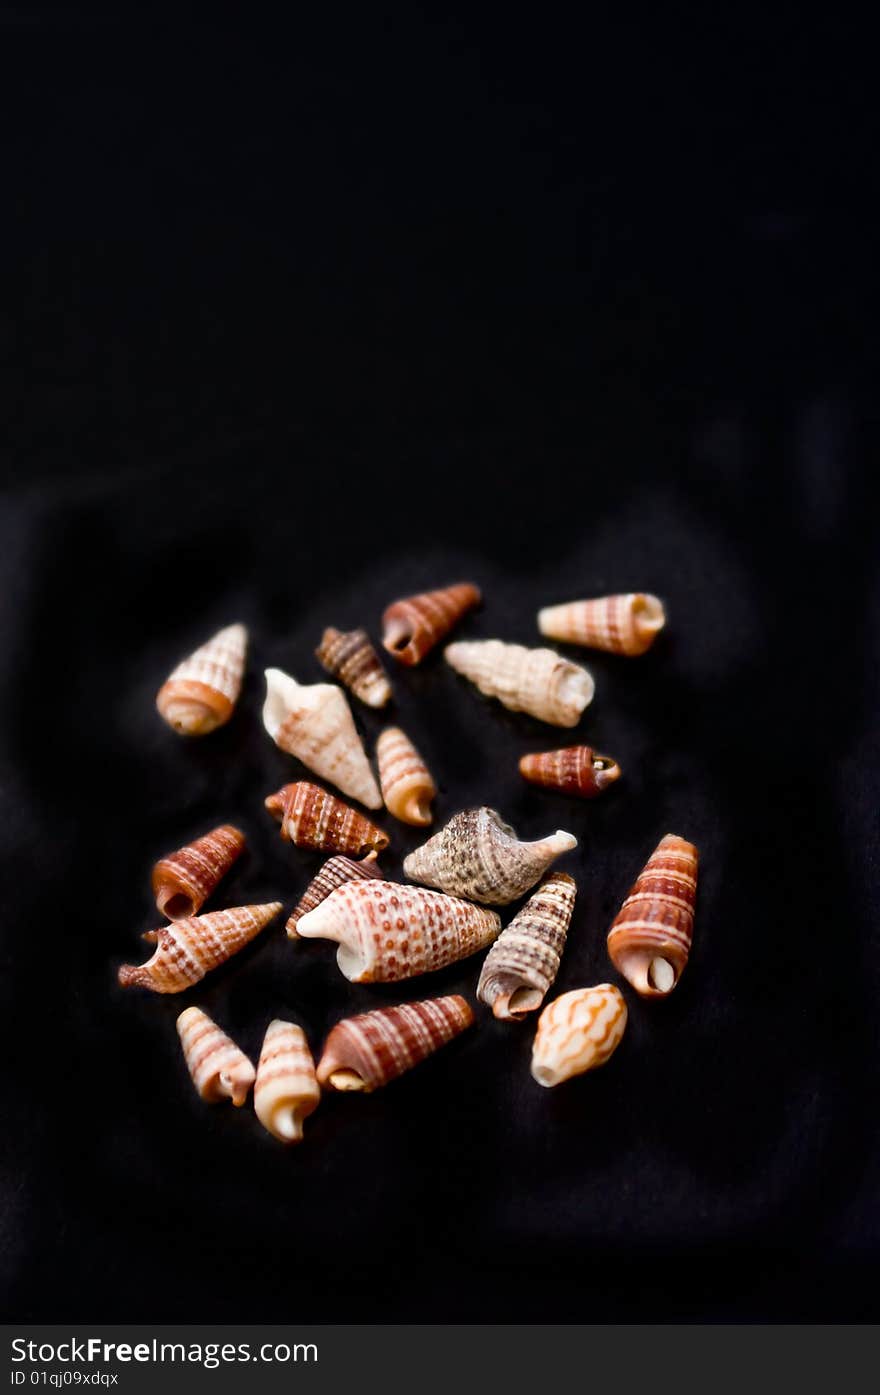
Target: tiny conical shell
(523, 962)
(183, 881)
(202, 691)
(407, 786)
(219, 1068)
(619, 624)
(314, 723)
(573, 770)
(577, 1032)
(650, 939)
(188, 949)
(411, 627)
(312, 818)
(286, 1090)
(365, 1052)
(536, 681)
(335, 871)
(351, 658)
(479, 856)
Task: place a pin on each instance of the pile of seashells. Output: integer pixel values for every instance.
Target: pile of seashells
(388, 931)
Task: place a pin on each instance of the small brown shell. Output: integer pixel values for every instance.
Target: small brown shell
(183, 881)
(201, 693)
(287, 1090)
(407, 787)
(413, 626)
(650, 939)
(335, 871)
(577, 1032)
(367, 1051)
(479, 856)
(312, 818)
(537, 681)
(313, 722)
(219, 1068)
(523, 962)
(188, 949)
(350, 657)
(619, 624)
(573, 770)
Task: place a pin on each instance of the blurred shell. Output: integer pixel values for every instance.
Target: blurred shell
(536, 681)
(183, 881)
(335, 872)
(524, 961)
(412, 627)
(650, 939)
(188, 949)
(350, 657)
(202, 691)
(388, 932)
(219, 1068)
(478, 855)
(573, 770)
(577, 1032)
(365, 1052)
(314, 723)
(620, 624)
(287, 1089)
(407, 786)
(312, 818)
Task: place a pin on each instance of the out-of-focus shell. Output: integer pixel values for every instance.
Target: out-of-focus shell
(573, 770)
(287, 1090)
(619, 624)
(350, 657)
(650, 938)
(523, 962)
(412, 627)
(388, 932)
(335, 872)
(202, 691)
(219, 1068)
(577, 1032)
(365, 1052)
(188, 949)
(183, 881)
(537, 681)
(314, 723)
(407, 786)
(479, 856)
(312, 818)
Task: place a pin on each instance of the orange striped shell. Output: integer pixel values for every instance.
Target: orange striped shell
(572, 770)
(286, 1090)
(650, 938)
(577, 1032)
(183, 881)
(188, 949)
(202, 691)
(219, 1068)
(366, 1052)
(620, 624)
(413, 626)
(407, 787)
(334, 872)
(313, 818)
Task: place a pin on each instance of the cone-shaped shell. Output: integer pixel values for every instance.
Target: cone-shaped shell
(577, 1032)
(479, 856)
(523, 962)
(407, 787)
(219, 1069)
(365, 1052)
(188, 949)
(202, 691)
(388, 932)
(650, 939)
(335, 872)
(412, 627)
(183, 881)
(312, 818)
(287, 1089)
(618, 624)
(536, 681)
(314, 723)
(572, 770)
(351, 658)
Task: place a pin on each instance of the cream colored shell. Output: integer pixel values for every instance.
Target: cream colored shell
(619, 624)
(219, 1069)
(537, 681)
(201, 693)
(406, 783)
(286, 1090)
(314, 723)
(577, 1032)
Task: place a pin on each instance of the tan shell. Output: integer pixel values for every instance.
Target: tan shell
(312, 818)
(523, 962)
(287, 1089)
(335, 871)
(314, 723)
(183, 881)
(479, 856)
(202, 691)
(351, 658)
(572, 770)
(537, 681)
(366, 1052)
(578, 1032)
(407, 787)
(188, 949)
(413, 626)
(650, 939)
(219, 1068)
(619, 624)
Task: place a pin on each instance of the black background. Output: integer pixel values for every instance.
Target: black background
(296, 320)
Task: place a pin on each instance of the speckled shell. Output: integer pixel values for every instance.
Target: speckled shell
(188, 949)
(619, 624)
(183, 881)
(314, 723)
(312, 818)
(412, 627)
(219, 1069)
(350, 657)
(201, 693)
(287, 1089)
(407, 787)
(572, 770)
(650, 938)
(335, 872)
(388, 932)
(478, 855)
(366, 1052)
(536, 681)
(577, 1032)
(523, 962)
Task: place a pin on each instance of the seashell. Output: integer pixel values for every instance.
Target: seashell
(312, 818)
(367, 1051)
(413, 626)
(650, 939)
(287, 1089)
(219, 1068)
(202, 691)
(188, 949)
(478, 855)
(573, 770)
(577, 1032)
(523, 962)
(183, 881)
(407, 786)
(620, 624)
(314, 723)
(334, 873)
(387, 932)
(536, 681)
(351, 658)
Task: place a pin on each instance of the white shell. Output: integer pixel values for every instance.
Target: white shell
(314, 723)
(537, 681)
(577, 1032)
(286, 1089)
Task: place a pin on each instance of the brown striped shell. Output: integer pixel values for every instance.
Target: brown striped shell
(219, 1068)
(572, 770)
(367, 1051)
(407, 787)
(335, 871)
(286, 1091)
(350, 657)
(578, 1032)
(479, 856)
(523, 962)
(619, 624)
(537, 681)
(413, 626)
(312, 818)
(183, 881)
(314, 723)
(202, 691)
(188, 949)
(650, 938)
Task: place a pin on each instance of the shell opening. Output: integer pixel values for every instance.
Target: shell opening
(544, 1075)
(603, 762)
(398, 637)
(190, 718)
(649, 612)
(347, 1080)
(286, 1124)
(661, 974)
(351, 962)
(576, 689)
(524, 1000)
(178, 906)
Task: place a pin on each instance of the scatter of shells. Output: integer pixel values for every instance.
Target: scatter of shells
(537, 681)
(523, 962)
(479, 856)
(351, 658)
(201, 693)
(183, 880)
(619, 624)
(219, 1069)
(577, 1032)
(335, 871)
(314, 723)
(413, 626)
(572, 770)
(286, 1090)
(650, 939)
(188, 949)
(367, 1051)
(407, 787)
(312, 818)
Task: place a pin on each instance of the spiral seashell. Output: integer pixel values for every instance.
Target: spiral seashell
(351, 658)
(407, 786)
(287, 1090)
(619, 624)
(188, 949)
(335, 872)
(219, 1068)
(577, 1032)
(183, 881)
(536, 681)
(366, 1052)
(312, 818)
(412, 627)
(202, 691)
(650, 938)
(478, 855)
(572, 770)
(523, 962)
(314, 723)
(388, 932)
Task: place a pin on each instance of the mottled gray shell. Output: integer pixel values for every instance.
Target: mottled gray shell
(478, 855)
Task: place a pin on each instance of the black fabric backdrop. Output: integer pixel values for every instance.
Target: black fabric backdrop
(297, 322)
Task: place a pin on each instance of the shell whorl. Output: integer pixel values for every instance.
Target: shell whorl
(313, 818)
(335, 872)
(537, 681)
(573, 770)
(183, 880)
(350, 657)
(411, 627)
(619, 624)
(407, 786)
(286, 1090)
(188, 949)
(201, 692)
(219, 1069)
(650, 938)
(577, 1032)
(314, 723)
(523, 962)
(478, 855)
(367, 1051)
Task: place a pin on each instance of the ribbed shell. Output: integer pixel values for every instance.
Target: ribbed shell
(287, 1089)
(313, 818)
(537, 681)
(479, 856)
(618, 624)
(350, 657)
(407, 787)
(412, 627)
(650, 938)
(523, 962)
(578, 1032)
(572, 770)
(335, 872)
(366, 1052)
(314, 723)
(219, 1068)
(202, 691)
(188, 949)
(183, 881)
(387, 932)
